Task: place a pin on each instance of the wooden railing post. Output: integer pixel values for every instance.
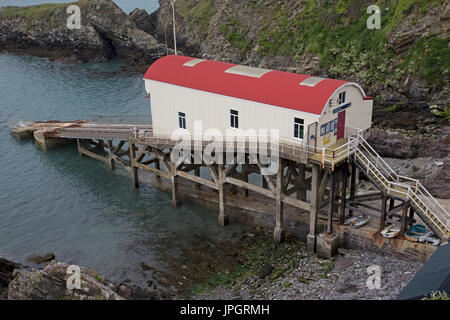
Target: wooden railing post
(134, 170)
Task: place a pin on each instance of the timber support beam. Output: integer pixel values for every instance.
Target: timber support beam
(279, 233)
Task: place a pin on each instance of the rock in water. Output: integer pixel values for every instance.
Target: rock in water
(106, 31)
(41, 259)
(6, 275)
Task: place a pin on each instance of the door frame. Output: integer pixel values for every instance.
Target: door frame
(312, 131)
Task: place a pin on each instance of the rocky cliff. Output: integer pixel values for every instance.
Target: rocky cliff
(106, 32)
(404, 65)
(50, 283)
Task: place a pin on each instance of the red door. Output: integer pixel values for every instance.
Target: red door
(341, 125)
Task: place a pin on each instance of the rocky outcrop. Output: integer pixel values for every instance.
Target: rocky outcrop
(144, 21)
(50, 283)
(106, 32)
(405, 62)
(417, 155)
(410, 144)
(416, 25)
(6, 276)
(37, 259)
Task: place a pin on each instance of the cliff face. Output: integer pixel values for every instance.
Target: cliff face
(106, 31)
(404, 65)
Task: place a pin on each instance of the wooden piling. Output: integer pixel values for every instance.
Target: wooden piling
(79, 147)
(301, 182)
(315, 206)
(157, 167)
(110, 155)
(134, 169)
(279, 233)
(223, 217)
(382, 213)
(331, 200)
(343, 193)
(173, 180)
(352, 186)
(403, 221)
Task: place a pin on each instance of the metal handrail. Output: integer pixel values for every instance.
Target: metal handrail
(389, 188)
(424, 198)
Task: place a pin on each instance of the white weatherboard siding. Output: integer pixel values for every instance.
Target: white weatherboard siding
(214, 111)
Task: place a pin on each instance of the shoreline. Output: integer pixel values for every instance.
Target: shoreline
(258, 269)
(299, 276)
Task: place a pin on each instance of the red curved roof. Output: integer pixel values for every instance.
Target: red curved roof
(275, 88)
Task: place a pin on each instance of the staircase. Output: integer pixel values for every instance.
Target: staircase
(426, 206)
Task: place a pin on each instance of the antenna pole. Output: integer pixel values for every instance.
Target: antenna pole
(174, 32)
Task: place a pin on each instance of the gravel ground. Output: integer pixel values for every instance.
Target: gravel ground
(313, 278)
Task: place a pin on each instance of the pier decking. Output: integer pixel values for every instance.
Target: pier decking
(324, 174)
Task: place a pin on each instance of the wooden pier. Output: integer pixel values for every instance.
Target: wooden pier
(307, 180)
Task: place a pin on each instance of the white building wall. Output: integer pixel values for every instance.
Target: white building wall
(214, 111)
(358, 115)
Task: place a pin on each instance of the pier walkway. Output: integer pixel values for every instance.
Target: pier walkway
(303, 168)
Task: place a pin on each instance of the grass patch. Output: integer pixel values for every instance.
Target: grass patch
(430, 58)
(337, 33)
(41, 11)
(303, 280)
(444, 114)
(328, 266)
(236, 34)
(197, 15)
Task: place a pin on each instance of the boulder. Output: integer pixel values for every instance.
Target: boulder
(37, 259)
(6, 275)
(265, 270)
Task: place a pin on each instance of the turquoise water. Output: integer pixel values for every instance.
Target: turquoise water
(74, 206)
(126, 5)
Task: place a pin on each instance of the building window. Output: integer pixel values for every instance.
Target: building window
(298, 128)
(234, 119)
(182, 120)
(341, 99)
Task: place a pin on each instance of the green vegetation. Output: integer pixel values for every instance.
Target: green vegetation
(259, 252)
(429, 57)
(303, 280)
(438, 295)
(445, 114)
(328, 266)
(236, 34)
(41, 11)
(197, 14)
(337, 33)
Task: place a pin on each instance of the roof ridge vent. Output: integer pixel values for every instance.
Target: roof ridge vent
(311, 81)
(193, 62)
(247, 71)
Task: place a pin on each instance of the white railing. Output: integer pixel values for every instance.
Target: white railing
(285, 145)
(412, 189)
